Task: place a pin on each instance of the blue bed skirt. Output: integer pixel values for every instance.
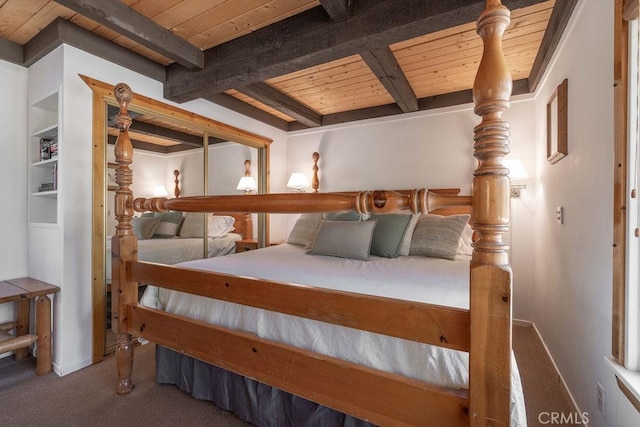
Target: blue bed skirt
(249, 400)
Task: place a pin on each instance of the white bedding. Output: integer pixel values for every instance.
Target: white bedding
(422, 279)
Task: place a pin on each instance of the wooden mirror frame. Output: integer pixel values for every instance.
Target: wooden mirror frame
(102, 96)
(557, 116)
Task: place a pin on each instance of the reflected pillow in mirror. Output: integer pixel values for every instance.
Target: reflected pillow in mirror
(144, 228)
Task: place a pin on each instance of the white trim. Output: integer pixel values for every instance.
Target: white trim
(560, 377)
(631, 379)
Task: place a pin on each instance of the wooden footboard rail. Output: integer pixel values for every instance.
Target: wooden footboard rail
(381, 397)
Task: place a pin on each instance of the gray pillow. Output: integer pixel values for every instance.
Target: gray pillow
(305, 229)
(344, 239)
(438, 236)
(144, 228)
(193, 225)
(388, 234)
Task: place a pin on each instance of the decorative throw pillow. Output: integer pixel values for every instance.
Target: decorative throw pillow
(144, 228)
(344, 239)
(220, 224)
(464, 246)
(438, 236)
(343, 216)
(168, 226)
(388, 234)
(405, 247)
(305, 229)
(192, 225)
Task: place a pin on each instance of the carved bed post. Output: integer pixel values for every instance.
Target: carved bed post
(490, 354)
(124, 243)
(315, 181)
(176, 189)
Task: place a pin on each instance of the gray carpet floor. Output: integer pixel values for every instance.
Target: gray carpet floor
(87, 397)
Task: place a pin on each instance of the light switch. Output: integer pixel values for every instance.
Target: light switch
(560, 214)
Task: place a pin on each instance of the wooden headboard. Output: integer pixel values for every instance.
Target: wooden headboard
(243, 225)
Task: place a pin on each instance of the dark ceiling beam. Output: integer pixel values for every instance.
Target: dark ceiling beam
(169, 134)
(11, 52)
(119, 17)
(234, 104)
(338, 10)
(60, 31)
(155, 148)
(272, 97)
(384, 65)
(558, 21)
(308, 39)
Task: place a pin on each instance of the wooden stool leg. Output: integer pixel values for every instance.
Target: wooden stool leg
(22, 328)
(124, 363)
(44, 363)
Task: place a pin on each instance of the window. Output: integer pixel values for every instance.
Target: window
(626, 227)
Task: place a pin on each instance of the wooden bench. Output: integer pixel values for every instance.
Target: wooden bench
(22, 291)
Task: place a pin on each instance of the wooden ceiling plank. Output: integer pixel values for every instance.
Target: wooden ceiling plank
(14, 14)
(311, 40)
(39, 20)
(327, 81)
(275, 99)
(152, 8)
(201, 30)
(121, 18)
(251, 19)
(557, 23)
(385, 67)
(338, 10)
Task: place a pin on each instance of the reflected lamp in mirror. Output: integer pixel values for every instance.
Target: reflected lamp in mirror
(160, 191)
(298, 181)
(517, 174)
(247, 184)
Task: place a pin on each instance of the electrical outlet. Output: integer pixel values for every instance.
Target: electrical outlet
(600, 397)
(560, 214)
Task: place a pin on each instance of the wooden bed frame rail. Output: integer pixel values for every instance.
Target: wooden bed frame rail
(380, 397)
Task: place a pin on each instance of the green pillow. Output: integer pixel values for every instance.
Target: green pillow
(343, 216)
(145, 227)
(388, 234)
(168, 227)
(344, 239)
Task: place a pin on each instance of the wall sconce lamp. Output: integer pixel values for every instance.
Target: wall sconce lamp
(517, 173)
(247, 183)
(298, 181)
(160, 191)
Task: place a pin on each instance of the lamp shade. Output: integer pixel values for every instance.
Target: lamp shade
(160, 191)
(298, 180)
(517, 172)
(247, 183)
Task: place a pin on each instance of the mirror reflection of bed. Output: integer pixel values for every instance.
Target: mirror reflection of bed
(175, 156)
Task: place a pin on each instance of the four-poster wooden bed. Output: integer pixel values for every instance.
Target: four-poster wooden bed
(483, 330)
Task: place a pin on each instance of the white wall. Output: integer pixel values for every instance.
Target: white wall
(13, 176)
(571, 299)
(72, 321)
(430, 149)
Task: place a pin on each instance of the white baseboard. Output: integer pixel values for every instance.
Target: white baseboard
(553, 363)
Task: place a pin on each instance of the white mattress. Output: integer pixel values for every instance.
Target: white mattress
(428, 280)
(178, 249)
